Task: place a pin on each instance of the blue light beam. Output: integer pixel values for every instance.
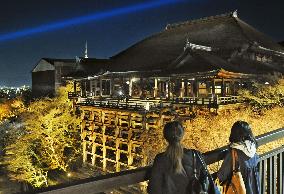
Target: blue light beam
(86, 18)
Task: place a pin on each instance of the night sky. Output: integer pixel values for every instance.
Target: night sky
(108, 36)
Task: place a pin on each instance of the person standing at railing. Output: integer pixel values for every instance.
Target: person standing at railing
(244, 143)
(179, 170)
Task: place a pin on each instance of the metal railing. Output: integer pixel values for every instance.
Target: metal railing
(271, 172)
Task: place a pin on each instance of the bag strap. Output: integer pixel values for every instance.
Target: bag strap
(194, 163)
(235, 160)
(202, 162)
(208, 176)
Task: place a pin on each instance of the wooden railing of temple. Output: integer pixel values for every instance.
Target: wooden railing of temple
(136, 103)
(270, 168)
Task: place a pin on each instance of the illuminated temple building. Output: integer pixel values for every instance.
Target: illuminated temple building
(204, 57)
(198, 63)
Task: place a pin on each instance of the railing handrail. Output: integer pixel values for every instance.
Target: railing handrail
(130, 177)
(154, 103)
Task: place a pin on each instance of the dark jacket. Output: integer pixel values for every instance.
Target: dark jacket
(163, 181)
(248, 168)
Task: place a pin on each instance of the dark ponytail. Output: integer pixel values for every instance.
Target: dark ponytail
(173, 133)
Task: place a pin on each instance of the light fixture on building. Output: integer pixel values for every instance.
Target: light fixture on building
(120, 93)
(134, 79)
(147, 106)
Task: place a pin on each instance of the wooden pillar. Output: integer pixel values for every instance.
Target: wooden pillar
(195, 88)
(213, 87)
(94, 148)
(208, 86)
(182, 89)
(186, 88)
(161, 88)
(95, 83)
(104, 152)
(75, 87)
(91, 85)
(140, 87)
(81, 88)
(156, 88)
(111, 84)
(191, 88)
(170, 88)
(129, 155)
(223, 89)
(117, 156)
(130, 87)
(234, 88)
(167, 89)
(84, 151)
(85, 88)
(101, 87)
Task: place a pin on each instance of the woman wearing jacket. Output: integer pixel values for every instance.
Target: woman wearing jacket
(173, 171)
(244, 143)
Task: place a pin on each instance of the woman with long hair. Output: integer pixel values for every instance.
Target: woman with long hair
(175, 169)
(243, 142)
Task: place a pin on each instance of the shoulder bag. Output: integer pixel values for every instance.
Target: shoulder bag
(236, 184)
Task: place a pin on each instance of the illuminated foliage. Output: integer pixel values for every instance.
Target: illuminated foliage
(207, 132)
(50, 141)
(265, 95)
(11, 108)
(24, 164)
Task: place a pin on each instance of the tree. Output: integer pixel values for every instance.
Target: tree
(24, 164)
(51, 140)
(11, 108)
(265, 95)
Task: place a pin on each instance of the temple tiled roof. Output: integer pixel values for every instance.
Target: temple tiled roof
(86, 66)
(224, 33)
(54, 60)
(79, 67)
(198, 61)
